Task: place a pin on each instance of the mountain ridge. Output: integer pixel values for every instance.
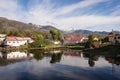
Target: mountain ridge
(10, 25)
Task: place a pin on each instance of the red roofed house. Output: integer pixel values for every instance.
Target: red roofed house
(74, 39)
(17, 41)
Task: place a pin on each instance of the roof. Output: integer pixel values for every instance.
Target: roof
(74, 38)
(14, 38)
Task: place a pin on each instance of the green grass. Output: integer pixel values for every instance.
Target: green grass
(76, 47)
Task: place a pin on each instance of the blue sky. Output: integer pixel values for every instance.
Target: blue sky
(100, 15)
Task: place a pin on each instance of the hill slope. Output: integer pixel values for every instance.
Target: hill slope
(12, 25)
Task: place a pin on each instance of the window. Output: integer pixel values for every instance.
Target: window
(118, 37)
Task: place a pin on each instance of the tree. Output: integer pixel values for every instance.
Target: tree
(38, 41)
(90, 41)
(60, 37)
(54, 34)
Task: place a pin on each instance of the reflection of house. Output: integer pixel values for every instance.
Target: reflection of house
(114, 38)
(13, 57)
(75, 54)
(55, 51)
(17, 41)
(16, 55)
(74, 39)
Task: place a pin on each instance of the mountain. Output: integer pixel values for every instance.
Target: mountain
(90, 32)
(47, 28)
(12, 25)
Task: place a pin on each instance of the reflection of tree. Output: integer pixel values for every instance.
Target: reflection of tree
(113, 59)
(56, 58)
(38, 54)
(91, 58)
(91, 62)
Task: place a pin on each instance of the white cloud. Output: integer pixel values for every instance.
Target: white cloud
(82, 4)
(5, 4)
(43, 12)
(86, 21)
(10, 9)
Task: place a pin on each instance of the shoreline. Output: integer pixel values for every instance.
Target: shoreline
(42, 48)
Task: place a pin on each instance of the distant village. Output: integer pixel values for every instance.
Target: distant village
(15, 41)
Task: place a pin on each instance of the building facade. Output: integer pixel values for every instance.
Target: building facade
(74, 39)
(17, 41)
(114, 38)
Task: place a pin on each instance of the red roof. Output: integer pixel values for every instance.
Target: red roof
(74, 38)
(14, 38)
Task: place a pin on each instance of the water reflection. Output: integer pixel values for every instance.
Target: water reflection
(60, 65)
(12, 57)
(56, 56)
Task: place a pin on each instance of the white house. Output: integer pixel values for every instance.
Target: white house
(56, 42)
(2, 37)
(95, 39)
(17, 41)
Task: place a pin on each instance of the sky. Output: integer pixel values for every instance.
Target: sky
(95, 15)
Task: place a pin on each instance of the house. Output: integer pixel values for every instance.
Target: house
(2, 37)
(95, 39)
(14, 41)
(114, 38)
(117, 38)
(111, 37)
(74, 39)
(56, 42)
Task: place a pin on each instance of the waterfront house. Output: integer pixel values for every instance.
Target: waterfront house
(14, 41)
(74, 39)
(111, 37)
(2, 37)
(114, 38)
(56, 42)
(117, 38)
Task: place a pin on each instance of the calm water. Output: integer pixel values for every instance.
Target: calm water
(59, 65)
